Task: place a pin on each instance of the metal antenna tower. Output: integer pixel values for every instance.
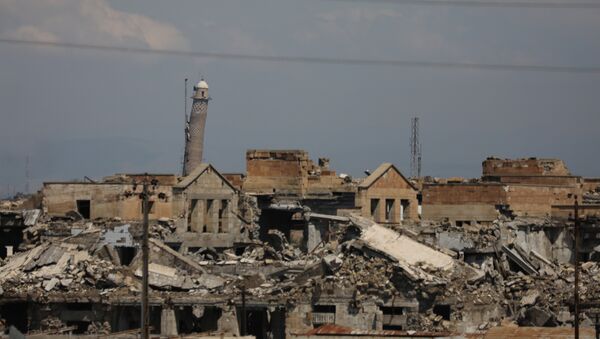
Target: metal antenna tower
(415, 149)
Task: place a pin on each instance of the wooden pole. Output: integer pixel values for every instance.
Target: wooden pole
(145, 255)
(576, 269)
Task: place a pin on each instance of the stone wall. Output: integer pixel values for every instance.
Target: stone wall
(270, 171)
(567, 211)
(106, 200)
(480, 201)
(460, 194)
(537, 201)
(529, 166)
(289, 172)
(462, 202)
(542, 180)
(591, 184)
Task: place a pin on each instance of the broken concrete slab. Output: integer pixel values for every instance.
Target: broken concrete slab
(163, 276)
(119, 236)
(517, 259)
(50, 284)
(333, 262)
(178, 256)
(536, 316)
(400, 247)
(541, 258)
(210, 281)
(30, 217)
(530, 298)
(48, 257)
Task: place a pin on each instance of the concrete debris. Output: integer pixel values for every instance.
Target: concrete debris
(333, 262)
(164, 277)
(351, 271)
(520, 260)
(530, 298)
(30, 217)
(50, 284)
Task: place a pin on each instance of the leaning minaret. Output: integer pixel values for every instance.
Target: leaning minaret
(194, 144)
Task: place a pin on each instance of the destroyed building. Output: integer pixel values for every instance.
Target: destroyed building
(114, 196)
(288, 184)
(292, 249)
(523, 188)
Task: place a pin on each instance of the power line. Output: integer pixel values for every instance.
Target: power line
(312, 60)
(491, 3)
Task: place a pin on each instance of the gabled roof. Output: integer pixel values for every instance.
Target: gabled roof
(371, 179)
(190, 178)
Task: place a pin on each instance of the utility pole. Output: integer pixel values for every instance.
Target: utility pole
(576, 294)
(145, 254)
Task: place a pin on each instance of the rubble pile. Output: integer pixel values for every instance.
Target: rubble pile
(592, 196)
(57, 267)
(551, 295)
(366, 264)
(162, 229)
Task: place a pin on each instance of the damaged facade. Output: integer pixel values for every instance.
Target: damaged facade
(290, 248)
(522, 188)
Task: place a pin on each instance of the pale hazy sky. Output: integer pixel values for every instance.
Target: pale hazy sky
(78, 112)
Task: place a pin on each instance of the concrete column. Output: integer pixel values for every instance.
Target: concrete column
(227, 224)
(402, 211)
(199, 216)
(193, 213)
(214, 216)
(168, 322)
(381, 210)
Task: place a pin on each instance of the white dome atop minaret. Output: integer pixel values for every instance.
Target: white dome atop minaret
(201, 90)
(202, 84)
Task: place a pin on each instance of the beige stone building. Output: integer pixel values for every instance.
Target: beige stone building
(115, 196)
(387, 196)
(206, 207)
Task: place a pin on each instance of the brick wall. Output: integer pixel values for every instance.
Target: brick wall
(530, 166)
(288, 171)
(537, 201)
(537, 180)
(465, 201)
(458, 194)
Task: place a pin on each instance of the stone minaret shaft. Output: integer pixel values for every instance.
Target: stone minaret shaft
(194, 145)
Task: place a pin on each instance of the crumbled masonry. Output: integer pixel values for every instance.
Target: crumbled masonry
(293, 250)
(469, 285)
